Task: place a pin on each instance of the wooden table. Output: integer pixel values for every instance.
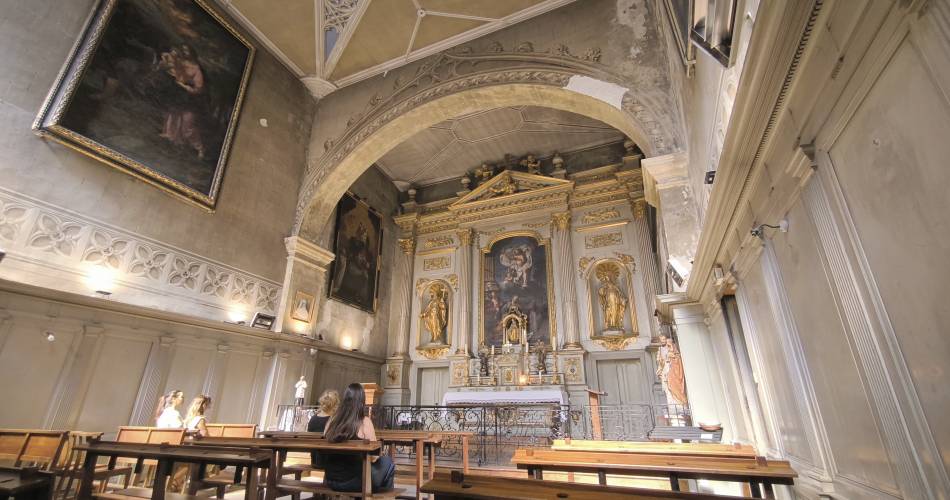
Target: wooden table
(26, 483)
(487, 487)
(419, 440)
(674, 467)
(168, 455)
(650, 447)
(282, 445)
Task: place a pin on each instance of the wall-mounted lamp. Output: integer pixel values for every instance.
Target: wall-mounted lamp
(346, 343)
(101, 280)
(299, 327)
(759, 231)
(522, 379)
(237, 315)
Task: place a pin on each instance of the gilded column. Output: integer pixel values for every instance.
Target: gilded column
(647, 262)
(566, 292)
(463, 257)
(402, 295)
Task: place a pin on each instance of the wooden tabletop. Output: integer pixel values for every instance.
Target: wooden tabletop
(292, 444)
(487, 487)
(16, 481)
(695, 449)
(390, 435)
(652, 464)
(177, 453)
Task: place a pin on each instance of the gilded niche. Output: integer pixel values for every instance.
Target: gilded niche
(435, 316)
(613, 302)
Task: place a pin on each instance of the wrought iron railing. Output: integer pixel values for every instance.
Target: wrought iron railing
(498, 430)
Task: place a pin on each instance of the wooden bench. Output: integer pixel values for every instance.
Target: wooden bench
(165, 456)
(491, 488)
(232, 430)
(671, 432)
(674, 467)
(695, 449)
(418, 440)
(32, 447)
(281, 446)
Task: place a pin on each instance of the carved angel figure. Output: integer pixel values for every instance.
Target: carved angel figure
(532, 165)
(435, 315)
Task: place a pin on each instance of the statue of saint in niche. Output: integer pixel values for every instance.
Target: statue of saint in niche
(613, 302)
(435, 315)
(514, 323)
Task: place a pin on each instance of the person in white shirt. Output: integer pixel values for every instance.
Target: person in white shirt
(195, 418)
(301, 391)
(167, 415)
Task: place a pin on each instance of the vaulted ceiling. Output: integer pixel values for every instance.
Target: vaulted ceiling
(453, 147)
(334, 43)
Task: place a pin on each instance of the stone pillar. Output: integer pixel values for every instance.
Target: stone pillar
(307, 265)
(65, 406)
(272, 394)
(647, 261)
(566, 291)
(214, 377)
(666, 187)
(463, 340)
(153, 380)
(707, 402)
(396, 376)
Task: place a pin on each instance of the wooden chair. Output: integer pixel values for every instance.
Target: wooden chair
(39, 448)
(65, 471)
(138, 435)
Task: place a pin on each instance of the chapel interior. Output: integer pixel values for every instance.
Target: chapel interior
(489, 248)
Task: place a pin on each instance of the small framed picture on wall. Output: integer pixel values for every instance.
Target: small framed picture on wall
(303, 307)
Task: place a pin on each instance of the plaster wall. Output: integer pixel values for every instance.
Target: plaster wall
(107, 368)
(336, 320)
(256, 206)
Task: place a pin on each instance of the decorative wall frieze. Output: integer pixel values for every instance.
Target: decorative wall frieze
(601, 215)
(438, 242)
(37, 233)
(582, 265)
(603, 240)
(436, 264)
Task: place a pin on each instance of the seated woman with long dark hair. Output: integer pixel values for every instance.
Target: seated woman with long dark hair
(345, 472)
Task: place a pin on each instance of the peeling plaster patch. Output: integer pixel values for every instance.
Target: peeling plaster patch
(634, 16)
(611, 93)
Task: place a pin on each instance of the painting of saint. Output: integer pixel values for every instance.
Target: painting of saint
(359, 234)
(516, 306)
(154, 88)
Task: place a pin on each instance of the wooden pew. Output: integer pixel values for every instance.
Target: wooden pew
(165, 456)
(648, 447)
(232, 430)
(33, 447)
(492, 488)
(64, 471)
(419, 440)
(281, 446)
(673, 467)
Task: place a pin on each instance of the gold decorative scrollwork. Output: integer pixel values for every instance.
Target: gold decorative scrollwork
(408, 245)
(612, 343)
(433, 352)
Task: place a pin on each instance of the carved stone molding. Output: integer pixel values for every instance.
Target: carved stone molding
(37, 233)
(562, 220)
(466, 236)
(408, 245)
(613, 343)
(433, 352)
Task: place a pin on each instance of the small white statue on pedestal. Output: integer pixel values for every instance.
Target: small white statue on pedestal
(300, 391)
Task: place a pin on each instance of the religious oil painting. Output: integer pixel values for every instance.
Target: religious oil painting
(516, 297)
(154, 88)
(357, 245)
(303, 307)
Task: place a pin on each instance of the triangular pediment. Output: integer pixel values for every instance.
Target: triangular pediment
(510, 183)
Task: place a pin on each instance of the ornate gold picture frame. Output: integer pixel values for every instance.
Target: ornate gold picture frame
(153, 88)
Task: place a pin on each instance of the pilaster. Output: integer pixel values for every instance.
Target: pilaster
(666, 187)
(214, 376)
(307, 265)
(566, 292)
(402, 295)
(73, 384)
(153, 380)
(462, 341)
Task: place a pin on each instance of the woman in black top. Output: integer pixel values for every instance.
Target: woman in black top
(345, 472)
(329, 401)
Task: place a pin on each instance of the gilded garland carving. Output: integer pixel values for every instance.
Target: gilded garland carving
(613, 343)
(639, 208)
(450, 73)
(582, 265)
(433, 352)
(603, 215)
(603, 240)
(438, 242)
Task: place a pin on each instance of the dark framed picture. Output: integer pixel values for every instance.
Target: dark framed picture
(357, 244)
(263, 321)
(153, 88)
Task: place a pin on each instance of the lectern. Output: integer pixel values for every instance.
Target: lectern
(374, 394)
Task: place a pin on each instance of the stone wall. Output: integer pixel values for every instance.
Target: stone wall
(242, 240)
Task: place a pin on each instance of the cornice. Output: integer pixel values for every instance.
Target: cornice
(306, 252)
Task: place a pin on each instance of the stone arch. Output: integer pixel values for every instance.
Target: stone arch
(456, 84)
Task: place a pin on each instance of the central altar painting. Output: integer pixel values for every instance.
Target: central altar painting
(516, 302)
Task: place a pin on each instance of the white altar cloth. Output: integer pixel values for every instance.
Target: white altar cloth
(503, 397)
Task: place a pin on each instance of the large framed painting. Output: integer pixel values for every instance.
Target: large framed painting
(357, 243)
(516, 291)
(154, 88)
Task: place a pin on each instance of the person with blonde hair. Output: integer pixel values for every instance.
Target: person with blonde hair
(195, 418)
(328, 403)
(167, 415)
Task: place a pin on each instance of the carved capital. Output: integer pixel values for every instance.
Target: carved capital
(466, 236)
(562, 221)
(408, 245)
(639, 208)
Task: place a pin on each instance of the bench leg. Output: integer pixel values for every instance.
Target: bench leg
(465, 454)
(754, 488)
(767, 490)
(675, 482)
